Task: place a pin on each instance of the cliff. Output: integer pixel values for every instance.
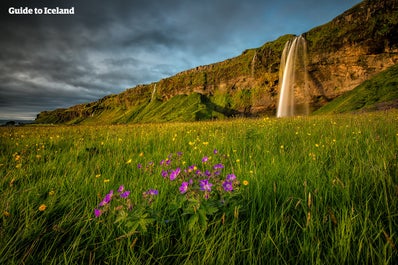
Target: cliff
(343, 53)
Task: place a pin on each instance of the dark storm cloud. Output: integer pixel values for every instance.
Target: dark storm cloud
(50, 61)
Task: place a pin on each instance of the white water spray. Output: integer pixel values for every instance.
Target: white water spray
(153, 92)
(253, 63)
(294, 79)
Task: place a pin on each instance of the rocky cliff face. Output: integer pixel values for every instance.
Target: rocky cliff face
(342, 54)
(352, 48)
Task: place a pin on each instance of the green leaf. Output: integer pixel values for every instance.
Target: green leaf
(144, 223)
(210, 208)
(202, 218)
(121, 217)
(193, 221)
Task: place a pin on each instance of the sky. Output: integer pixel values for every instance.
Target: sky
(50, 61)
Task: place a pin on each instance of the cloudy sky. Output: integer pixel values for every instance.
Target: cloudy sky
(107, 46)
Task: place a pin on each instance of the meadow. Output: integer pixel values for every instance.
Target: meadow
(303, 190)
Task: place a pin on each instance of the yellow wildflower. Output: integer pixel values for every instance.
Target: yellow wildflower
(6, 214)
(51, 193)
(245, 182)
(42, 207)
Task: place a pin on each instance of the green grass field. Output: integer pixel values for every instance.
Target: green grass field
(308, 190)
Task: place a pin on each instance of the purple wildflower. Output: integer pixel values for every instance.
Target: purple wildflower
(139, 166)
(207, 173)
(231, 177)
(152, 192)
(174, 173)
(125, 194)
(164, 173)
(227, 185)
(205, 159)
(97, 212)
(205, 185)
(120, 189)
(215, 151)
(184, 187)
(218, 166)
(191, 168)
(107, 198)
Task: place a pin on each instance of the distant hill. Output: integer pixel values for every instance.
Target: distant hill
(343, 53)
(377, 93)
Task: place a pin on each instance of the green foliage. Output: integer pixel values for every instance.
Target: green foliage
(195, 194)
(371, 24)
(321, 190)
(379, 92)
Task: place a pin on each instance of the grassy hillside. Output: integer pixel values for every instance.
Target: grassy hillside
(373, 24)
(193, 107)
(380, 92)
(362, 39)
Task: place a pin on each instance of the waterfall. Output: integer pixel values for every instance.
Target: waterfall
(153, 92)
(293, 74)
(253, 63)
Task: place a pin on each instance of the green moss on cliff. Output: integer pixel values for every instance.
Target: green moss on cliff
(372, 24)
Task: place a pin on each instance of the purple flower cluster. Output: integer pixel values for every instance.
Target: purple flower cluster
(205, 159)
(227, 185)
(174, 173)
(108, 198)
(151, 192)
(184, 187)
(205, 185)
(203, 178)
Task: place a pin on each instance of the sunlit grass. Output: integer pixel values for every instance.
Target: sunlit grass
(320, 190)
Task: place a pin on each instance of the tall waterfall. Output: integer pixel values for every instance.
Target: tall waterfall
(293, 73)
(153, 92)
(253, 63)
